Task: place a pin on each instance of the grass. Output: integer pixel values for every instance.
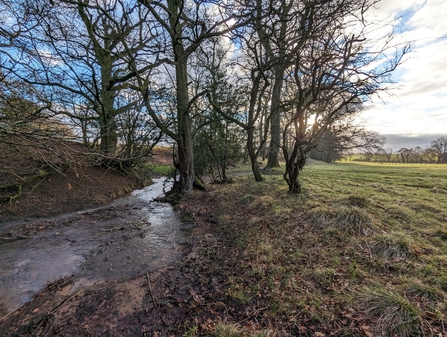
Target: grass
(396, 314)
(162, 170)
(233, 330)
(364, 245)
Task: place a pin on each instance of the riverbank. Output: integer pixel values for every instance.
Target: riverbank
(31, 187)
(361, 252)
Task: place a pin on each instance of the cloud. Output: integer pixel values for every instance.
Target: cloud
(392, 8)
(431, 17)
(418, 105)
(397, 142)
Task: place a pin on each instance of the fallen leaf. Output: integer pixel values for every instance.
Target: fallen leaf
(365, 329)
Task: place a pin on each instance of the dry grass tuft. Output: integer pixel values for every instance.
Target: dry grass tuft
(233, 330)
(354, 221)
(395, 314)
(226, 330)
(415, 287)
(357, 201)
(393, 246)
(320, 217)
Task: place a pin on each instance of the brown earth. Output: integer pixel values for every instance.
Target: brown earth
(191, 295)
(61, 181)
(189, 298)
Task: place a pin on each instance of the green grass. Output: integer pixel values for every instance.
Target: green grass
(161, 170)
(151, 169)
(397, 315)
(356, 226)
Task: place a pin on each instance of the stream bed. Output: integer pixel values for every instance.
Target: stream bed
(132, 235)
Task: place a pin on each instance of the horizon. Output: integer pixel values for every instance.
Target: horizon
(415, 111)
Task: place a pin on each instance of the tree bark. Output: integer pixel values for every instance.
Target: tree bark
(184, 136)
(253, 155)
(107, 122)
(275, 127)
(294, 165)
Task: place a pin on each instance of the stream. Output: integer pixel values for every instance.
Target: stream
(131, 235)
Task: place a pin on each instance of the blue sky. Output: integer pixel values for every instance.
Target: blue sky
(416, 111)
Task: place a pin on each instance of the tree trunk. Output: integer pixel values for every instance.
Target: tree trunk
(294, 165)
(107, 122)
(184, 136)
(252, 155)
(184, 139)
(275, 127)
(108, 136)
(106, 99)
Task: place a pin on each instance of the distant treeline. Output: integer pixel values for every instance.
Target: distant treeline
(436, 153)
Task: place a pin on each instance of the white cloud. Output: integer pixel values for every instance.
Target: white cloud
(419, 106)
(391, 8)
(431, 17)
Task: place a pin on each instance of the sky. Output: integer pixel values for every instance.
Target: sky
(415, 111)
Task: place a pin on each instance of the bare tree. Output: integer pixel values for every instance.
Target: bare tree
(333, 74)
(184, 26)
(389, 155)
(440, 147)
(280, 26)
(405, 155)
(246, 91)
(75, 53)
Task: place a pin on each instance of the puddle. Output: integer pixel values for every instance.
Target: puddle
(132, 235)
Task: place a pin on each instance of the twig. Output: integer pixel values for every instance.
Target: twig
(13, 173)
(150, 290)
(252, 315)
(369, 249)
(37, 185)
(153, 298)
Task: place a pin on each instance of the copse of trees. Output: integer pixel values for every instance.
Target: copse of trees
(436, 153)
(215, 77)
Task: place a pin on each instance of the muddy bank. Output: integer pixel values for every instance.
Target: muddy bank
(189, 294)
(130, 237)
(36, 184)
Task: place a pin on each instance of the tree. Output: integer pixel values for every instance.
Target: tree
(333, 73)
(184, 26)
(404, 155)
(242, 97)
(388, 154)
(74, 53)
(280, 26)
(336, 142)
(440, 147)
(217, 141)
(21, 115)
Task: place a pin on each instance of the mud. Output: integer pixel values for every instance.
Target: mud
(128, 238)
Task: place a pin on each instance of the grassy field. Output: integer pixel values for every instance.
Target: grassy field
(362, 251)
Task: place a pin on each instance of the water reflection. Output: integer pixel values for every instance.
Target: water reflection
(132, 234)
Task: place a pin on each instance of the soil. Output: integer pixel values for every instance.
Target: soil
(188, 296)
(169, 301)
(61, 182)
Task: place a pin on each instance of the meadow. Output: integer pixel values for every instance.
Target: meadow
(362, 251)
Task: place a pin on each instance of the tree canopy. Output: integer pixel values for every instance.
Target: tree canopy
(237, 74)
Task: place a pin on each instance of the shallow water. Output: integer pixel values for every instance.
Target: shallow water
(132, 235)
